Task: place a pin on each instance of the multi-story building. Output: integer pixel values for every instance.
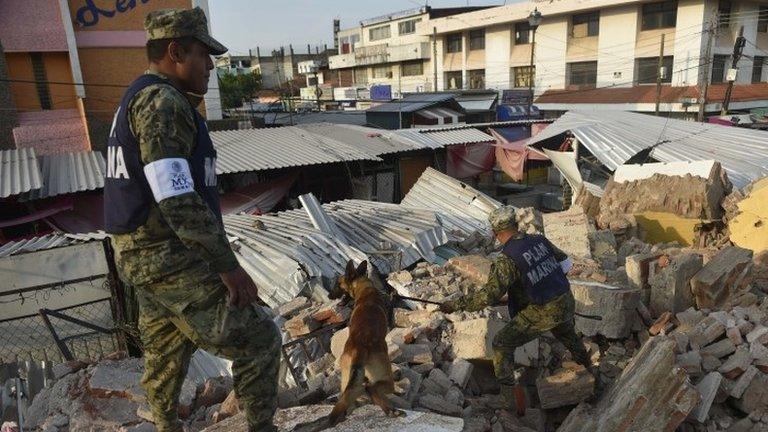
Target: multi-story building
(389, 51)
(605, 53)
(67, 64)
(233, 64)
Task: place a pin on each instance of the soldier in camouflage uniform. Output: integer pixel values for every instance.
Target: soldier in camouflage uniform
(162, 209)
(531, 271)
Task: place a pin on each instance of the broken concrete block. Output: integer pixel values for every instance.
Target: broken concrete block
(415, 353)
(758, 335)
(603, 247)
(440, 405)
(288, 310)
(415, 379)
(755, 396)
(719, 349)
(663, 324)
(636, 267)
(475, 267)
(714, 284)
(338, 340)
(461, 371)
(441, 379)
(301, 324)
(690, 361)
(709, 362)
(652, 394)
(758, 351)
(417, 318)
(569, 231)
(403, 335)
(707, 389)
(61, 370)
(734, 335)
(332, 313)
(736, 364)
(118, 379)
(565, 387)
(616, 306)
(473, 339)
(671, 287)
(705, 332)
(743, 382)
(532, 353)
(321, 365)
(213, 391)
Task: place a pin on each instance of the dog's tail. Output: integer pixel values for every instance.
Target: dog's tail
(348, 396)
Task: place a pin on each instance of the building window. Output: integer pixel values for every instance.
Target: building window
(724, 13)
(379, 33)
(453, 43)
(646, 70)
(41, 78)
(453, 80)
(718, 68)
(522, 33)
(477, 79)
(659, 15)
(382, 72)
(477, 40)
(312, 81)
(407, 27)
(361, 76)
(762, 20)
(412, 68)
(757, 69)
(582, 73)
(585, 25)
(522, 76)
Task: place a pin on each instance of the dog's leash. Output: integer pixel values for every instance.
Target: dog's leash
(402, 297)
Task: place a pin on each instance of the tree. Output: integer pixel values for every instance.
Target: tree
(237, 88)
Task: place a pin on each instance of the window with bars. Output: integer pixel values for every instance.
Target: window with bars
(582, 73)
(477, 79)
(41, 78)
(762, 20)
(659, 15)
(757, 69)
(382, 71)
(412, 68)
(407, 27)
(453, 80)
(361, 75)
(379, 33)
(586, 25)
(724, 13)
(522, 76)
(522, 33)
(453, 43)
(647, 68)
(477, 40)
(719, 67)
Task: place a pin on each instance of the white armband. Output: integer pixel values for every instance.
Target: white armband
(169, 177)
(566, 265)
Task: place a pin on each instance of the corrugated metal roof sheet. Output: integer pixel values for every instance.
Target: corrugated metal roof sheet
(47, 241)
(413, 102)
(19, 172)
(70, 172)
(375, 142)
(447, 137)
(461, 207)
(615, 136)
(263, 149)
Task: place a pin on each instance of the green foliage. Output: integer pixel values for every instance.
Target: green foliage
(235, 89)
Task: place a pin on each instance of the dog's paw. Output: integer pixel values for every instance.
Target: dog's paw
(396, 413)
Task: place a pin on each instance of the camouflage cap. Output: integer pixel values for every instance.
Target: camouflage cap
(177, 23)
(502, 218)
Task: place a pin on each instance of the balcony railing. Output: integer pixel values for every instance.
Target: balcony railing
(381, 53)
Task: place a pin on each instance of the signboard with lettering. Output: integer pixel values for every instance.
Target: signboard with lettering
(381, 92)
(90, 14)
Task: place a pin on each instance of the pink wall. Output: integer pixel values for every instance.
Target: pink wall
(31, 25)
(55, 131)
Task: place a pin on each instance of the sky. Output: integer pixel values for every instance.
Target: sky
(244, 24)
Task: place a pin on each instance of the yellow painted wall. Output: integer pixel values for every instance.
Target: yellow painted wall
(661, 227)
(25, 96)
(750, 228)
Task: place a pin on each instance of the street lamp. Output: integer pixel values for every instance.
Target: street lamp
(534, 19)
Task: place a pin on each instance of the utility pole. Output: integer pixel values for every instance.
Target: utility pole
(659, 76)
(704, 76)
(434, 56)
(738, 50)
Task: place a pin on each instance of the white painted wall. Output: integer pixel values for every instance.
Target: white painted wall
(616, 43)
(498, 43)
(744, 14)
(550, 53)
(690, 41)
(212, 98)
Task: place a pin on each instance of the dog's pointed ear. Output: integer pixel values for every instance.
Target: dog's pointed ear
(362, 269)
(350, 272)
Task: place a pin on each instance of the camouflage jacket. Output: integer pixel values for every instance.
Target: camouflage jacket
(505, 278)
(181, 232)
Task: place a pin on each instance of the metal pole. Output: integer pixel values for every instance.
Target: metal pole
(705, 75)
(658, 74)
(434, 56)
(738, 49)
(530, 74)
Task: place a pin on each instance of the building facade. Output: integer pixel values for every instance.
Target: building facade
(68, 63)
(590, 53)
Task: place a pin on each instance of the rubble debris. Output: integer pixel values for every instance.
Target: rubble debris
(671, 286)
(652, 394)
(569, 230)
(474, 267)
(616, 306)
(473, 339)
(724, 276)
(567, 386)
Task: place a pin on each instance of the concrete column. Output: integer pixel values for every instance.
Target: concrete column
(464, 57)
(498, 44)
(745, 14)
(616, 46)
(212, 98)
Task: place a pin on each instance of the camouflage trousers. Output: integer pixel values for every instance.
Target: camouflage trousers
(190, 310)
(530, 323)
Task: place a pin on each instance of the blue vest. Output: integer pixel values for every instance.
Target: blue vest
(540, 272)
(127, 195)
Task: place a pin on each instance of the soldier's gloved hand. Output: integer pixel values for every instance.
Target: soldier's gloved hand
(448, 307)
(242, 290)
